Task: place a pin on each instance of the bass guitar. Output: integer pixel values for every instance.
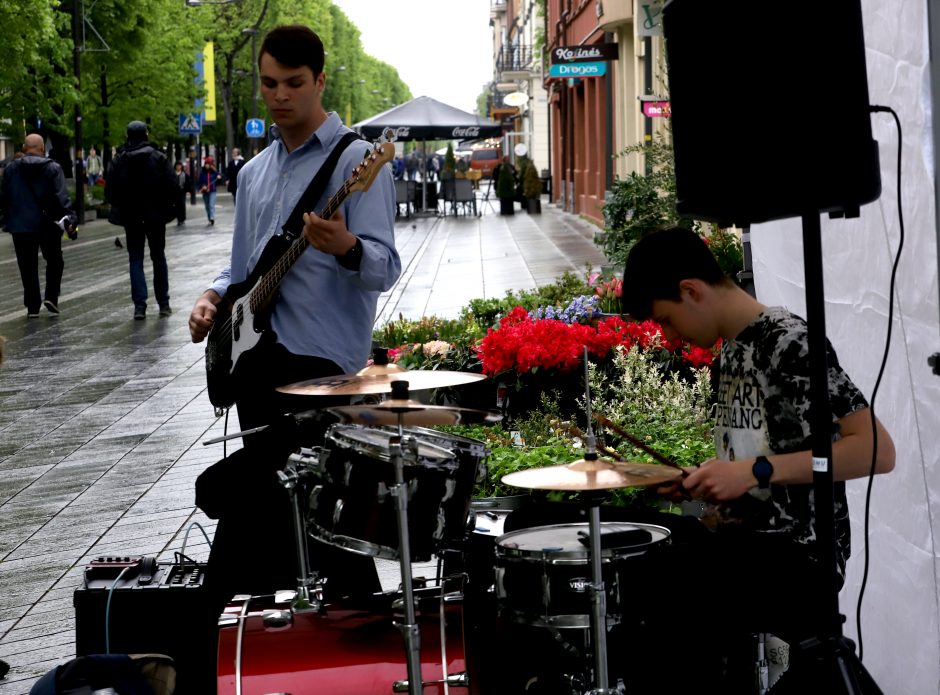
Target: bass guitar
(241, 320)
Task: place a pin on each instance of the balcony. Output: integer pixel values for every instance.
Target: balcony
(498, 7)
(616, 13)
(515, 63)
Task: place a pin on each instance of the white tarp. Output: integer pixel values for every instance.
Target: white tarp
(900, 622)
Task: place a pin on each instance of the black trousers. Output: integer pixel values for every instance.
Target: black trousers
(27, 245)
(254, 550)
(181, 205)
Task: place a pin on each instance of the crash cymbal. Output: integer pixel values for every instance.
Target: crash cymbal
(409, 412)
(597, 474)
(378, 379)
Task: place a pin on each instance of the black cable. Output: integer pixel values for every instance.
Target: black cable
(874, 393)
(225, 432)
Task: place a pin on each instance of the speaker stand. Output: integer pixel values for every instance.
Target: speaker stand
(833, 661)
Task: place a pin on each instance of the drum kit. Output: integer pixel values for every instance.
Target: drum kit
(383, 485)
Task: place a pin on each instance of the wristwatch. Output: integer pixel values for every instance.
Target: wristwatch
(352, 258)
(762, 469)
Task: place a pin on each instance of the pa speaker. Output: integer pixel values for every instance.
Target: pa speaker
(770, 110)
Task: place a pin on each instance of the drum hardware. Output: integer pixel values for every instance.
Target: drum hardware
(409, 629)
(404, 411)
(309, 594)
(457, 680)
(591, 475)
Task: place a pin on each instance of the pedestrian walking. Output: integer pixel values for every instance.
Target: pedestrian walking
(208, 177)
(38, 209)
(182, 189)
(141, 189)
(231, 172)
(93, 167)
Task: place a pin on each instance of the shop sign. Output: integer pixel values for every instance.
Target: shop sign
(585, 54)
(657, 109)
(578, 70)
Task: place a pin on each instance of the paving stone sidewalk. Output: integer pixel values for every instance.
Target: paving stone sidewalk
(102, 417)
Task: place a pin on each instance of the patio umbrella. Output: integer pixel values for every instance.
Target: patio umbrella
(424, 118)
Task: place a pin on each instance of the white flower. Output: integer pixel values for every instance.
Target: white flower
(436, 347)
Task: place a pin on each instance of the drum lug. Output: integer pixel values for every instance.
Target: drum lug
(277, 618)
(456, 680)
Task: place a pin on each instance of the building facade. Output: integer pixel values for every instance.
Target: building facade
(518, 97)
(606, 60)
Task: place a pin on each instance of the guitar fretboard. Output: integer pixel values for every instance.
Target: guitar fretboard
(271, 280)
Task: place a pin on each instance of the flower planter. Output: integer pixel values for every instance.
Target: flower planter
(534, 206)
(506, 206)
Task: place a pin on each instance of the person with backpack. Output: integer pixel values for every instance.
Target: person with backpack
(38, 209)
(142, 190)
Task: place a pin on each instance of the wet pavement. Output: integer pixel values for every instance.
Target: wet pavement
(102, 418)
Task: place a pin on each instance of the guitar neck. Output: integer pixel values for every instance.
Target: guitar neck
(271, 280)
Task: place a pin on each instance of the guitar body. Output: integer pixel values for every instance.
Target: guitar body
(241, 320)
(238, 328)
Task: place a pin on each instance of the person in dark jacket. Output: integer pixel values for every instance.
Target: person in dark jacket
(231, 172)
(182, 188)
(38, 209)
(141, 189)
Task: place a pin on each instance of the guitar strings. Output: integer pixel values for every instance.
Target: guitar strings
(293, 253)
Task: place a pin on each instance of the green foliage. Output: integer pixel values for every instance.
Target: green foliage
(671, 414)
(531, 183)
(450, 162)
(137, 63)
(639, 204)
(726, 246)
(505, 184)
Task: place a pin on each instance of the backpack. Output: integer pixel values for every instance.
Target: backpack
(124, 674)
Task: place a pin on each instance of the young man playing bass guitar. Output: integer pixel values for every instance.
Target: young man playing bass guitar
(320, 321)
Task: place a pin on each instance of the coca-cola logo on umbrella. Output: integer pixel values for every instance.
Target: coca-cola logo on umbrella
(472, 131)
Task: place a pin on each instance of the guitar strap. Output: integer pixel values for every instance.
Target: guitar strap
(295, 223)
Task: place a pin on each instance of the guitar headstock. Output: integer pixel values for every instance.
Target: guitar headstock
(364, 174)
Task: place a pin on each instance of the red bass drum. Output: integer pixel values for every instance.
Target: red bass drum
(265, 648)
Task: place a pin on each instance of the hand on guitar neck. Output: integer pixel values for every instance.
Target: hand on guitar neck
(329, 236)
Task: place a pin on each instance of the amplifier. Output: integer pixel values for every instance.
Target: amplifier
(155, 607)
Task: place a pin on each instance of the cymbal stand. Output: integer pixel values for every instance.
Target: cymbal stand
(598, 591)
(409, 629)
(289, 478)
(598, 603)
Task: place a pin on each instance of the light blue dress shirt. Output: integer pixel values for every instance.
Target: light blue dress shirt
(324, 309)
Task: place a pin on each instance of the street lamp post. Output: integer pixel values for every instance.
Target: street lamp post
(254, 78)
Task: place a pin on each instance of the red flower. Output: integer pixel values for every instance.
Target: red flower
(523, 344)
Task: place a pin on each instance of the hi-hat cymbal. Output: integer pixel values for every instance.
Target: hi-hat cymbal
(411, 413)
(586, 474)
(378, 379)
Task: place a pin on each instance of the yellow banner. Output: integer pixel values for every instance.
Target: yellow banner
(208, 66)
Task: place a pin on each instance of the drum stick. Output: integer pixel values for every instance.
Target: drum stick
(640, 444)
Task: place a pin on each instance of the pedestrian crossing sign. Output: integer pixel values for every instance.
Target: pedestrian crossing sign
(190, 123)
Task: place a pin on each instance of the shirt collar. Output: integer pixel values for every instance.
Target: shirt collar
(325, 134)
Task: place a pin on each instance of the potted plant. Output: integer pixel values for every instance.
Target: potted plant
(506, 189)
(450, 164)
(532, 189)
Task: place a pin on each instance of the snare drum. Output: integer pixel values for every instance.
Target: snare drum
(543, 574)
(265, 648)
(352, 505)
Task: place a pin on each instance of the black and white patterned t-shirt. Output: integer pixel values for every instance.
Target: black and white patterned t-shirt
(762, 408)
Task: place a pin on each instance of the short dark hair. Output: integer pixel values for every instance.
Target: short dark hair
(658, 262)
(294, 45)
